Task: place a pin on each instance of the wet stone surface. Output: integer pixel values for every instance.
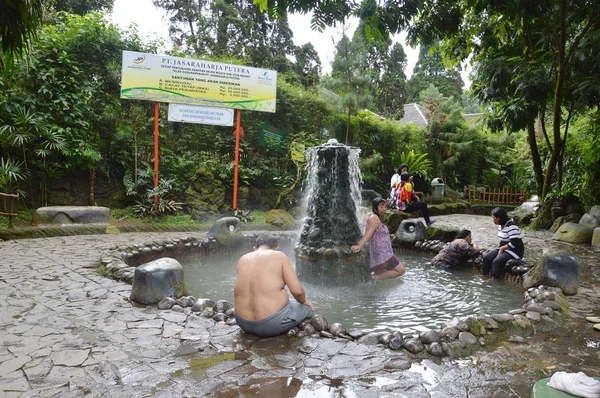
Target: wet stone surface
(67, 331)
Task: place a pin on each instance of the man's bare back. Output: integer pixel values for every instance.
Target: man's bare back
(259, 289)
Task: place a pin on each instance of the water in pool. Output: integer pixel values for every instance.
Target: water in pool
(423, 298)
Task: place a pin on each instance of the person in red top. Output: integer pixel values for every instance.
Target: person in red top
(409, 201)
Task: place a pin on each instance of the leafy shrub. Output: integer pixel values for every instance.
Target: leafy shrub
(166, 203)
(244, 215)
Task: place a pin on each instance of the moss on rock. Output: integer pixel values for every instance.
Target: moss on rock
(280, 218)
(574, 233)
(394, 218)
(206, 193)
(443, 233)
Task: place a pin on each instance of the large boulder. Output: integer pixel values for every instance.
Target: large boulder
(411, 231)
(71, 215)
(156, 280)
(393, 219)
(573, 217)
(552, 208)
(574, 233)
(595, 211)
(590, 220)
(226, 231)
(449, 207)
(441, 232)
(556, 269)
(596, 238)
(523, 214)
(280, 218)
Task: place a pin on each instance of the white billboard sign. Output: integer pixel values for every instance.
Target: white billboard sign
(193, 81)
(200, 114)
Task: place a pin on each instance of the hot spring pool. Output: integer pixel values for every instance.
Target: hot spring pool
(422, 299)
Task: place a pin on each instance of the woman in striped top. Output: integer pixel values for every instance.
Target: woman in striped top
(511, 244)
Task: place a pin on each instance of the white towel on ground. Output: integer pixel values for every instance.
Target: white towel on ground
(578, 384)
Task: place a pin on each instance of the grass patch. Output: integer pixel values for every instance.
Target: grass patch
(176, 220)
(103, 271)
(123, 214)
(23, 219)
(260, 217)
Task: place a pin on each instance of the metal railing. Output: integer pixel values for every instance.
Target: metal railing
(11, 214)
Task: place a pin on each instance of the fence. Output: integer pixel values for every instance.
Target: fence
(497, 196)
(11, 207)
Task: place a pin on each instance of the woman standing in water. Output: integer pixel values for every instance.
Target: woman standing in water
(511, 244)
(382, 262)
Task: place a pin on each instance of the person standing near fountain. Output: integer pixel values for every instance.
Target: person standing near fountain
(262, 305)
(382, 262)
(511, 244)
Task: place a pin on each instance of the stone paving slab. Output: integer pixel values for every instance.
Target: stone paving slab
(65, 331)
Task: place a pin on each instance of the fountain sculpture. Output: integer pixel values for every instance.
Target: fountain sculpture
(332, 202)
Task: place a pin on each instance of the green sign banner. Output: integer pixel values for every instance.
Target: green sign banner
(271, 137)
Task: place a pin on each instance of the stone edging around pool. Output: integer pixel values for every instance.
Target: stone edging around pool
(544, 308)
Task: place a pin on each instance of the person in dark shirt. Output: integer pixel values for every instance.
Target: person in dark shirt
(511, 244)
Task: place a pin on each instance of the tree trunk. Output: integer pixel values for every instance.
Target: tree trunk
(558, 97)
(92, 179)
(535, 156)
(560, 168)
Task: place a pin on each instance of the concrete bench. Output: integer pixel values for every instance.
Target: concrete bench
(53, 215)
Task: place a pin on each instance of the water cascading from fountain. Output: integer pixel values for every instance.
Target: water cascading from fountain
(332, 201)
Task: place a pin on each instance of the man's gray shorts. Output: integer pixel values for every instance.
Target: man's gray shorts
(291, 315)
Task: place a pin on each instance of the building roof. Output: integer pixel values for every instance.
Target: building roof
(414, 113)
(472, 119)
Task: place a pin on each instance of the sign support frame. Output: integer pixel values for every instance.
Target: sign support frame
(156, 105)
(236, 157)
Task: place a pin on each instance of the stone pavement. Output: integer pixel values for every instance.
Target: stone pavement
(65, 331)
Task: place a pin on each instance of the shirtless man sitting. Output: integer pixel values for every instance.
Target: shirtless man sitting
(262, 305)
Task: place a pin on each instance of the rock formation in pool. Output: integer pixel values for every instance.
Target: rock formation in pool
(332, 201)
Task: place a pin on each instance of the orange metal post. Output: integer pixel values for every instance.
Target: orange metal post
(237, 157)
(155, 149)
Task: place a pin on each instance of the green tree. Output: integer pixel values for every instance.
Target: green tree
(535, 61)
(32, 140)
(582, 158)
(445, 130)
(391, 91)
(72, 86)
(19, 21)
(349, 80)
(233, 28)
(383, 63)
(82, 7)
(308, 65)
(430, 69)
